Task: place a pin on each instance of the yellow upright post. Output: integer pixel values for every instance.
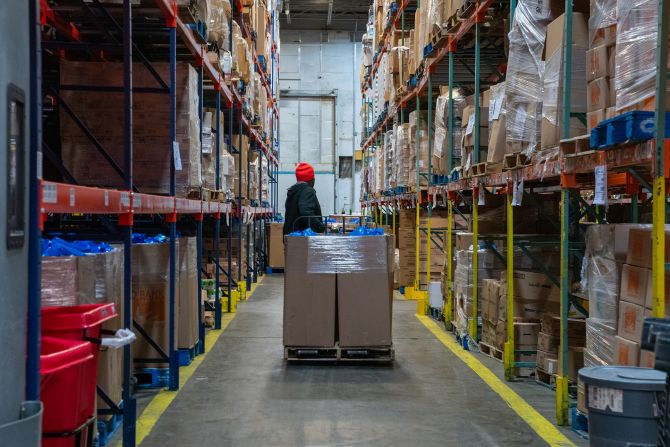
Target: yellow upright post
(509, 344)
(393, 222)
(475, 261)
(658, 248)
(450, 255)
(417, 252)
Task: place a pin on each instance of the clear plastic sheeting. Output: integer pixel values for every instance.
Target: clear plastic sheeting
(602, 21)
(216, 15)
(525, 72)
(637, 32)
(349, 254)
(403, 154)
(599, 342)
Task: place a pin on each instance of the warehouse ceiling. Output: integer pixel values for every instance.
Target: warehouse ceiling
(336, 15)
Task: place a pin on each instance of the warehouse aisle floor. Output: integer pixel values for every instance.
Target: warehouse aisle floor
(244, 394)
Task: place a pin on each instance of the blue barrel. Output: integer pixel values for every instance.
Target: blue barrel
(622, 404)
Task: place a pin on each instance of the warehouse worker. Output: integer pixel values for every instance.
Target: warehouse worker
(301, 201)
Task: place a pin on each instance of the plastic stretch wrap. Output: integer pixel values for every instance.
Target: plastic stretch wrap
(525, 71)
(600, 275)
(74, 280)
(599, 342)
(151, 303)
(603, 15)
(349, 254)
(552, 107)
(103, 114)
(216, 15)
(403, 155)
(637, 32)
(389, 162)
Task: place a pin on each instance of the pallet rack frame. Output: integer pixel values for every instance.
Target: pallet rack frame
(61, 198)
(562, 173)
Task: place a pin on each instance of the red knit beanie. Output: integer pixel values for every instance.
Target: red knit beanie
(304, 172)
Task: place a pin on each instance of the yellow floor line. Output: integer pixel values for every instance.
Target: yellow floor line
(161, 401)
(545, 429)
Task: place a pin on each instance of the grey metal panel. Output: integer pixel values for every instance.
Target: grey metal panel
(14, 47)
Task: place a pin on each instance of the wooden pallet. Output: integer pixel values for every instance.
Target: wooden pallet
(545, 378)
(338, 354)
(439, 36)
(486, 168)
(491, 351)
(513, 161)
(575, 146)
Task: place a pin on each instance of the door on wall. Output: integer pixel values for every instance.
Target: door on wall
(307, 134)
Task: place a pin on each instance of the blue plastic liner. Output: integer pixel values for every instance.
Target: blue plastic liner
(60, 247)
(365, 231)
(141, 238)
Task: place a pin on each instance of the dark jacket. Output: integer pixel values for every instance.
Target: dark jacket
(301, 201)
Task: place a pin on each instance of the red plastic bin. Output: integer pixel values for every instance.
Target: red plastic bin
(67, 391)
(82, 322)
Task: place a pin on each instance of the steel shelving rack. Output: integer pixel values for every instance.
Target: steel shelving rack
(117, 36)
(628, 166)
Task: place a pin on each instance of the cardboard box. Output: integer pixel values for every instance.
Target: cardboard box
(575, 362)
(604, 36)
(548, 343)
(646, 358)
(151, 301)
(275, 234)
(594, 118)
(598, 94)
(597, 63)
(626, 352)
(187, 298)
(364, 304)
(639, 247)
(526, 334)
(551, 325)
(309, 300)
(546, 362)
(67, 280)
(634, 284)
(497, 140)
(534, 286)
(631, 317)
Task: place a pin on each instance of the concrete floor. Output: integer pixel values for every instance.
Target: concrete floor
(244, 394)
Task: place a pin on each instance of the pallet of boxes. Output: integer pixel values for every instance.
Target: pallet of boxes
(338, 295)
(617, 279)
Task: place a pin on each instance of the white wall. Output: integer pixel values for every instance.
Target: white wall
(315, 63)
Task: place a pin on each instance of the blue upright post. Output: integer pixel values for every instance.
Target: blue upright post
(173, 354)
(231, 112)
(129, 404)
(201, 324)
(217, 224)
(34, 239)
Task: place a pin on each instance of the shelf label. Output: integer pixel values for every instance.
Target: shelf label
(471, 125)
(177, 156)
(125, 199)
(49, 193)
(600, 190)
(106, 198)
(71, 197)
(603, 398)
(497, 108)
(482, 197)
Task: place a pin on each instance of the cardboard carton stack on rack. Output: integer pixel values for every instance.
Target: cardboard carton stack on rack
(617, 273)
(103, 114)
(407, 247)
(600, 62)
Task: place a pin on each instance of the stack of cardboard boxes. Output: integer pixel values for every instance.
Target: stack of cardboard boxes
(407, 247)
(600, 62)
(548, 344)
(338, 290)
(275, 244)
(554, 76)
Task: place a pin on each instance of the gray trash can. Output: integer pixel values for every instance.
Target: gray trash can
(622, 404)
